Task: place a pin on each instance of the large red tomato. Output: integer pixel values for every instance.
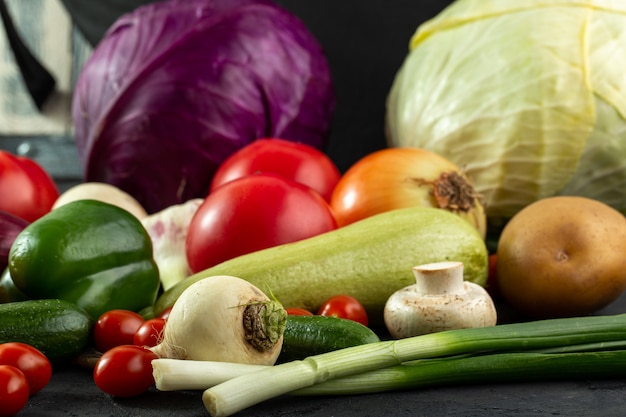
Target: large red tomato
(27, 190)
(254, 213)
(296, 161)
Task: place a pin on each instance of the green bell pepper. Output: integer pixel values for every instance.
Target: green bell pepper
(91, 253)
(8, 290)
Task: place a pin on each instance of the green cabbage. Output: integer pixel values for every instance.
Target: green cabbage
(528, 96)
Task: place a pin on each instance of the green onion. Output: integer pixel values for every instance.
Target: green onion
(245, 391)
(499, 367)
(588, 360)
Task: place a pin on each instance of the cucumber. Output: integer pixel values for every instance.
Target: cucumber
(59, 329)
(311, 335)
(369, 260)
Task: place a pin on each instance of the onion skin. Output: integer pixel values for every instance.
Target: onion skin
(103, 192)
(396, 178)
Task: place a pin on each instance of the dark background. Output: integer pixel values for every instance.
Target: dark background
(365, 42)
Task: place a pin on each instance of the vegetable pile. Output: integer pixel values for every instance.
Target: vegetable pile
(213, 244)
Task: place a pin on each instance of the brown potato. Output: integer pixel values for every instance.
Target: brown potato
(562, 257)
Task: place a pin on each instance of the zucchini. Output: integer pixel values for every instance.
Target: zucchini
(311, 335)
(369, 260)
(59, 329)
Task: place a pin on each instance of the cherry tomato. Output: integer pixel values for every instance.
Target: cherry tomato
(295, 311)
(13, 390)
(295, 161)
(165, 313)
(254, 213)
(115, 328)
(30, 360)
(29, 191)
(345, 307)
(150, 332)
(125, 371)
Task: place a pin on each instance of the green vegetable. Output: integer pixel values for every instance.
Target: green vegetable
(527, 96)
(8, 291)
(244, 391)
(311, 335)
(502, 367)
(60, 329)
(369, 260)
(177, 374)
(88, 252)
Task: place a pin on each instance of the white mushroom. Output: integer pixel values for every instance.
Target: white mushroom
(439, 300)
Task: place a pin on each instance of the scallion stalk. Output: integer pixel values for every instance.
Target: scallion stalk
(244, 391)
(183, 374)
(489, 368)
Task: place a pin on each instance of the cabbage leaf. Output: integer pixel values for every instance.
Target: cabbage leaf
(529, 97)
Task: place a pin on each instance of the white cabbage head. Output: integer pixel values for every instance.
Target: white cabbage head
(529, 97)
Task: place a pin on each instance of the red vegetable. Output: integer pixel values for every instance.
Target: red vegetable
(27, 190)
(125, 371)
(295, 161)
(254, 213)
(345, 307)
(177, 86)
(295, 311)
(10, 227)
(149, 333)
(115, 328)
(13, 390)
(31, 361)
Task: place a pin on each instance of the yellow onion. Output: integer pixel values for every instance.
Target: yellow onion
(396, 178)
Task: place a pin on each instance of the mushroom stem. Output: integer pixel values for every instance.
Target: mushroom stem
(439, 278)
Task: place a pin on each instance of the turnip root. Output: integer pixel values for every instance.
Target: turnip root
(224, 318)
(439, 300)
(102, 192)
(168, 231)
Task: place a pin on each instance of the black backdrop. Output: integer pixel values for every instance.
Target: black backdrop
(365, 42)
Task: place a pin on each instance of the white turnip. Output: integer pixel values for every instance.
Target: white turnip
(224, 318)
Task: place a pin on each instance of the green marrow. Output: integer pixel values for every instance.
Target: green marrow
(311, 335)
(369, 260)
(58, 328)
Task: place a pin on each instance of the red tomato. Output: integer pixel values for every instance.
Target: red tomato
(254, 213)
(345, 307)
(115, 328)
(295, 311)
(31, 361)
(13, 390)
(28, 190)
(295, 161)
(125, 371)
(165, 313)
(149, 333)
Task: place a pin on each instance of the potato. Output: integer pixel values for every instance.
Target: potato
(562, 257)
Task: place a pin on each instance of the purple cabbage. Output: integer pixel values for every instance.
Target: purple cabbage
(175, 87)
